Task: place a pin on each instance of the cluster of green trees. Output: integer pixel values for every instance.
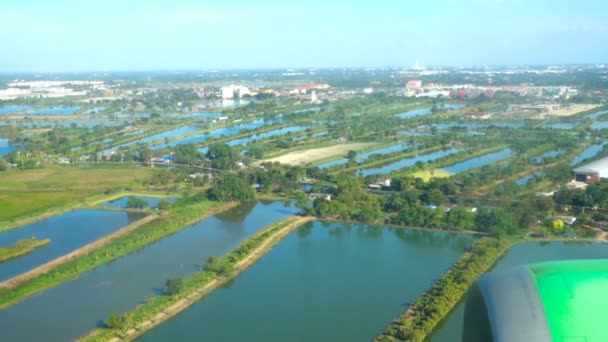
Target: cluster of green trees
(221, 267)
(136, 203)
(118, 321)
(595, 195)
(230, 187)
(431, 307)
(223, 156)
(173, 286)
(349, 202)
(438, 203)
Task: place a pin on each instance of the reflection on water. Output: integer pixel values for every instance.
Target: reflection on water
(67, 232)
(323, 273)
(125, 282)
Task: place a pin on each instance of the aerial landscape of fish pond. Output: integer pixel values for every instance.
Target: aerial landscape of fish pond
(288, 204)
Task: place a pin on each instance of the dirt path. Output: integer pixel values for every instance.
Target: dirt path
(602, 236)
(10, 283)
(199, 293)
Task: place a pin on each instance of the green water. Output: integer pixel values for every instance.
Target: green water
(450, 330)
(323, 282)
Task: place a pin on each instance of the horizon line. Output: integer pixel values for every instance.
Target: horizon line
(402, 67)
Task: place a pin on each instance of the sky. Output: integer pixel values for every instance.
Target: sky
(109, 35)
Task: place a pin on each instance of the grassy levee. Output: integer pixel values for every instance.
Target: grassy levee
(428, 310)
(161, 308)
(166, 224)
(21, 247)
(85, 203)
(27, 196)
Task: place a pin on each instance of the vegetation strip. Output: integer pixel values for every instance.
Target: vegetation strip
(45, 268)
(113, 247)
(21, 247)
(87, 203)
(429, 309)
(217, 271)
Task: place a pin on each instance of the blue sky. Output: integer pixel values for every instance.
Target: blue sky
(92, 35)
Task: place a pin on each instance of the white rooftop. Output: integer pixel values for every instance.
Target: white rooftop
(599, 166)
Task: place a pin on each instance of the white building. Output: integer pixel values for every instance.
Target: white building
(233, 90)
(313, 97)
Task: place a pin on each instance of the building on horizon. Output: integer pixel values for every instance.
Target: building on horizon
(232, 91)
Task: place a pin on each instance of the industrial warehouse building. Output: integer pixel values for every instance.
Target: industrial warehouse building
(592, 172)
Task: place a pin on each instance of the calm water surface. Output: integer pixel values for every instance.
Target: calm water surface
(590, 152)
(73, 308)
(152, 201)
(364, 155)
(55, 111)
(429, 110)
(323, 282)
(269, 134)
(480, 161)
(409, 162)
(159, 136)
(5, 148)
(67, 232)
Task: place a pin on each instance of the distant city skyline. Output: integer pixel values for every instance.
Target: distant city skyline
(114, 35)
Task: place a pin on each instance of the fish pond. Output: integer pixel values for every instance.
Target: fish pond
(407, 162)
(71, 309)
(67, 232)
(324, 282)
(430, 110)
(61, 110)
(589, 152)
(480, 161)
(152, 201)
(272, 133)
(364, 155)
(14, 109)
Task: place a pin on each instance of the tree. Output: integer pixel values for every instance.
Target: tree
(230, 187)
(114, 321)
(186, 154)
(256, 152)
(558, 226)
(173, 286)
(136, 203)
(163, 205)
(219, 266)
(303, 202)
(118, 321)
(222, 156)
(351, 156)
(144, 154)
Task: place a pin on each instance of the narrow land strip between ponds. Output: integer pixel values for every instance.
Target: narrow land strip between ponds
(85, 203)
(98, 253)
(44, 268)
(183, 303)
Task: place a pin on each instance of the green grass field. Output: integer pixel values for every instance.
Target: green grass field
(31, 192)
(427, 175)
